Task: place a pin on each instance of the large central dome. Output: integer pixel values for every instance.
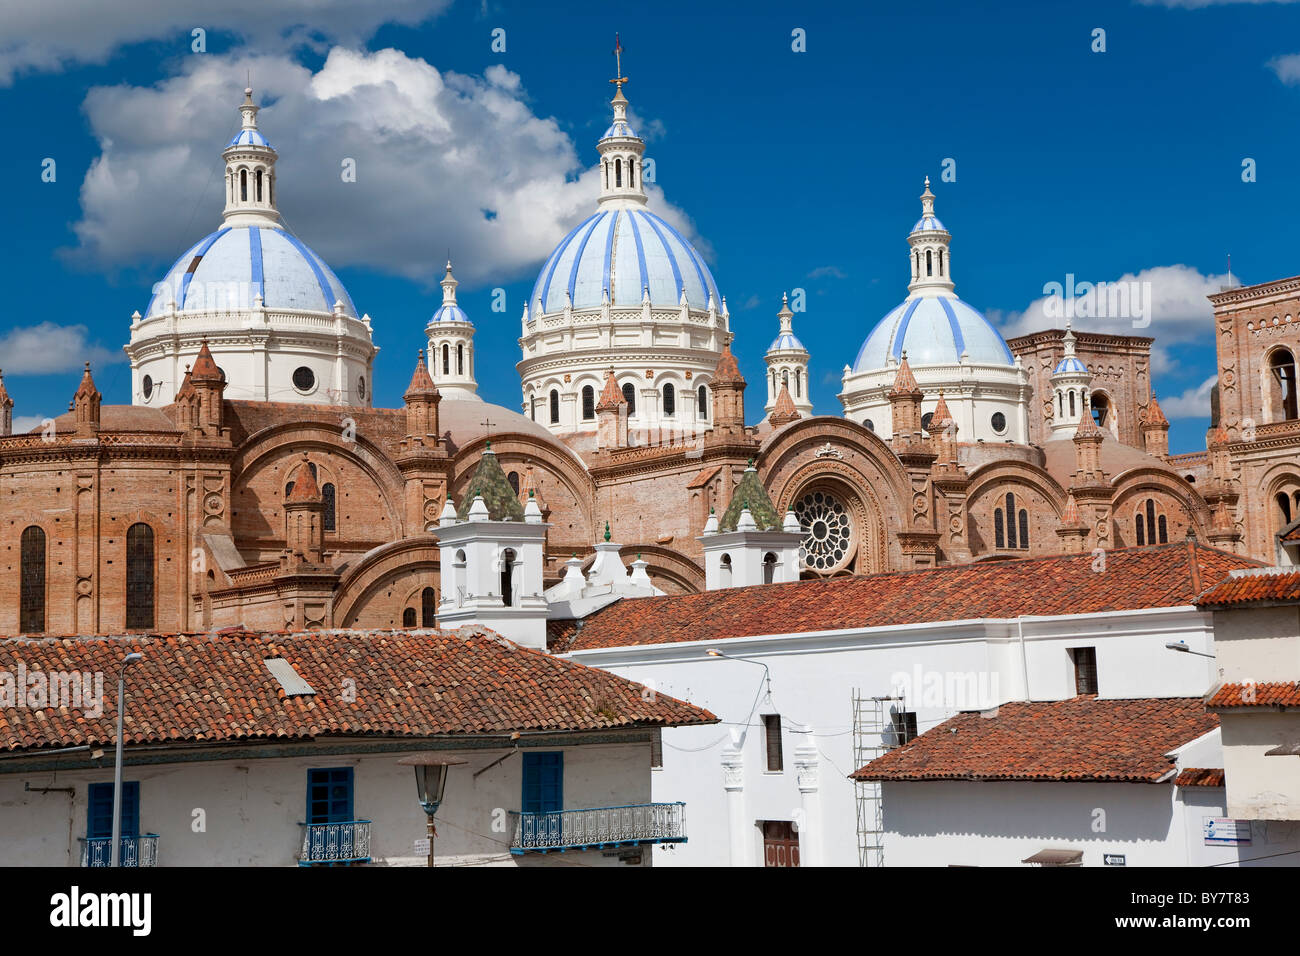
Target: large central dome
(617, 255)
(225, 270)
(933, 330)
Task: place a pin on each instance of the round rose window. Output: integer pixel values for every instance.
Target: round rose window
(828, 530)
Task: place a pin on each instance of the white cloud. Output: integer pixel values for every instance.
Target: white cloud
(47, 348)
(1193, 403)
(444, 161)
(1287, 68)
(60, 33)
(1167, 302)
(25, 423)
(1201, 4)
(827, 272)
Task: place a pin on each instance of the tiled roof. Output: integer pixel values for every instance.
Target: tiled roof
(727, 371)
(1133, 578)
(704, 476)
(1247, 694)
(304, 483)
(1199, 777)
(904, 381)
(1079, 739)
(751, 494)
(1254, 585)
(217, 688)
(1293, 534)
(490, 482)
(421, 383)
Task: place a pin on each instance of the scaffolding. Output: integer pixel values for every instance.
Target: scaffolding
(873, 734)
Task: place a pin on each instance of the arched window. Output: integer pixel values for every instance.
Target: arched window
(940, 262)
(916, 272)
(1284, 508)
(257, 182)
(555, 407)
(139, 576)
(243, 185)
(929, 262)
(446, 359)
(631, 172)
(270, 189)
(408, 617)
(1100, 406)
(1060, 404)
(1281, 364)
(508, 577)
(785, 377)
(702, 403)
(31, 574)
(1150, 524)
(629, 396)
(618, 173)
(460, 358)
(513, 480)
(1010, 527)
(532, 407)
(428, 608)
(605, 166)
(724, 571)
(328, 518)
(798, 383)
(769, 568)
(670, 401)
(1072, 411)
(588, 403)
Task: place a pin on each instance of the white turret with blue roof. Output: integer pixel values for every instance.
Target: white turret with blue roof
(451, 345)
(787, 364)
(624, 289)
(1070, 390)
(277, 320)
(951, 348)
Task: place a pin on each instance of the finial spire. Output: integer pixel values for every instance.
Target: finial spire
(619, 78)
(449, 284)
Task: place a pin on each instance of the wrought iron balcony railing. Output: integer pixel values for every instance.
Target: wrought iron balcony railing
(135, 850)
(598, 827)
(347, 842)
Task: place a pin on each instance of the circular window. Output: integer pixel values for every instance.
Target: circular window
(828, 531)
(925, 421)
(146, 386)
(361, 387)
(999, 422)
(303, 378)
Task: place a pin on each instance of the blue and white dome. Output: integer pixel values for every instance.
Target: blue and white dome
(1069, 364)
(929, 223)
(450, 312)
(619, 128)
(933, 330)
(249, 137)
(228, 268)
(786, 340)
(623, 251)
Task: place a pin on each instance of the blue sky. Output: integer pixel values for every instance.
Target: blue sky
(793, 170)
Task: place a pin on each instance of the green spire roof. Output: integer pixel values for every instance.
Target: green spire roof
(751, 494)
(490, 482)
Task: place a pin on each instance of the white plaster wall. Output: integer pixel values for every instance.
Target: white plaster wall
(814, 677)
(253, 808)
(1259, 644)
(964, 823)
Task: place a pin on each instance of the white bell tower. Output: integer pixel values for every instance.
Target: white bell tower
(451, 345)
(787, 364)
(250, 173)
(1070, 390)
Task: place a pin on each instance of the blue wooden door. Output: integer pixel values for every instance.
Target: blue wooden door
(99, 823)
(543, 782)
(329, 795)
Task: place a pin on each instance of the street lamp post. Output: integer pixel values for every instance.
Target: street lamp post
(1184, 649)
(115, 848)
(430, 785)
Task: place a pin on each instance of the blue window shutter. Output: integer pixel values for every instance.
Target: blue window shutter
(329, 795)
(543, 782)
(99, 821)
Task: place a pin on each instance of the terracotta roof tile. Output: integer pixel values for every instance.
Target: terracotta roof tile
(611, 396)
(727, 371)
(1155, 417)
(1250, 694)
(304, 484)
(1079, 739)
(205, 368)
(905, 381)
(1199, 777)
(1059, 584)
(421, 383)
(217, 688)
(704, 476)
(784, 411)
(1254, 585)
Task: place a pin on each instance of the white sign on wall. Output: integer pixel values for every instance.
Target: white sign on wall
(1220, 831)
